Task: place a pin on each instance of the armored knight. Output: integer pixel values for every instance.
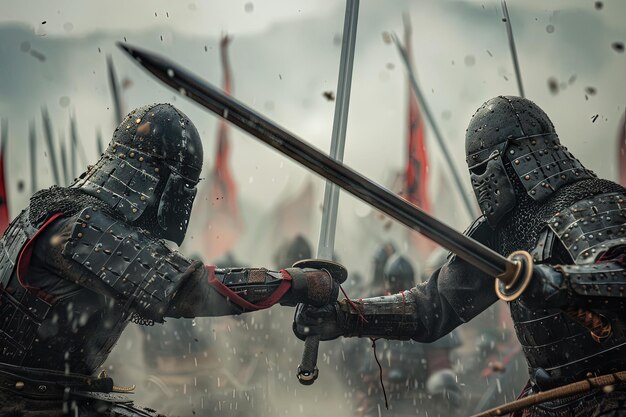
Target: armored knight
(79, 263)
(535, 196)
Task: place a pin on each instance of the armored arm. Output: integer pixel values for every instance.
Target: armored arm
(599, 285)
(95, 250)
(453, 295)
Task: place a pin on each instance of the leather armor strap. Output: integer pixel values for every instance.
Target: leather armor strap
(47, 384)
(390, 316)
(259, 282)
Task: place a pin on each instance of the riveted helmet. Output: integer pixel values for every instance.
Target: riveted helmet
(512, 137)
(399, 274)
(150, 170)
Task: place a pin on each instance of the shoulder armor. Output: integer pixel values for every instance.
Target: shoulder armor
(591, 226)
(480, 231)
(142, 273)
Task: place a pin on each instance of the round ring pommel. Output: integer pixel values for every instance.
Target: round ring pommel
(514, 281)
(307, 377)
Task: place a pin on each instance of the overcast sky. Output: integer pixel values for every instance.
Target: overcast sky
(285, 54)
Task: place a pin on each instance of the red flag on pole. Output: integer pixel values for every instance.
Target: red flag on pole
(622, 151)
(416, 173)
(223, 226)
(4, 202)
(416, 177)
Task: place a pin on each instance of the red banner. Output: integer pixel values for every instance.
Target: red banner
(223, 226)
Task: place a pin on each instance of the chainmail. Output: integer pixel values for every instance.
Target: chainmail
(520, 229)
(68, 201)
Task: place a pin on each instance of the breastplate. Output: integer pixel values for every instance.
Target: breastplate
(558, 350)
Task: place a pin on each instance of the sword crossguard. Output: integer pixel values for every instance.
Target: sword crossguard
(516, 278)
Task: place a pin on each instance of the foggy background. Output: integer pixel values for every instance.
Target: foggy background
(284, 55)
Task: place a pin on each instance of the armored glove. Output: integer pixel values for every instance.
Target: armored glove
(329, 322)
(547, 288)
(316, 287)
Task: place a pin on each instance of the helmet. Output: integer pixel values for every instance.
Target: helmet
(149, 171)
(399, 274)
(293, 251)
(380, 260)
(510, 139)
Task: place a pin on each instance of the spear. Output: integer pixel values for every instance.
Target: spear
(47, 128)
(117, 103)
(99, 144)
(63, 152)
(77, 148)
(435, 128)
(33, 156)
(509, 33)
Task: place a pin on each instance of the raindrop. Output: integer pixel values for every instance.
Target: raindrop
(550, 28)
(68, 27)
(170, 72)
(25, 46)
(618, 46)
(248, 7)
(64, 101)
(470, 60)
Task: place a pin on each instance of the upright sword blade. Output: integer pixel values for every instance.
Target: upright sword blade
(307, 370)
(273, 135)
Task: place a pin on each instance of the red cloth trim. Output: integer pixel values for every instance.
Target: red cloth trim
(269, 301)
(23, 261)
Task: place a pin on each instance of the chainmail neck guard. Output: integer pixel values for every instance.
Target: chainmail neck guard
(520, 229)
(68, 201)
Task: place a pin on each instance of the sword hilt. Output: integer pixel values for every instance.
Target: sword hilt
(307, 370)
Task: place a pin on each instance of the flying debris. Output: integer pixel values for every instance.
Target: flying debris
(329, 95)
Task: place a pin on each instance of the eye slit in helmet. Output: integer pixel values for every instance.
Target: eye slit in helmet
(481, 167)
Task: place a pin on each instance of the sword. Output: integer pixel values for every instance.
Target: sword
(513, 274)
(508, 271)
(307, 370)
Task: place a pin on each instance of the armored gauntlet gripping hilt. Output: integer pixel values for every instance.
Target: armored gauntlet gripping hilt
(307, 370)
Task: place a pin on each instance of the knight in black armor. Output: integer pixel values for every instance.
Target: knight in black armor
(537, 197)
(79, 263)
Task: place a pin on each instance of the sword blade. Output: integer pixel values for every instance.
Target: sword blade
(280, 139)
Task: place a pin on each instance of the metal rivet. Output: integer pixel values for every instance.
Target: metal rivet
(137, 121)
(87, 217)
(156, 169)
(517, 162)
(79, 235)
(527, 177)
(19, 385)
(134, 210)
(141, 159)
(132, 154)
